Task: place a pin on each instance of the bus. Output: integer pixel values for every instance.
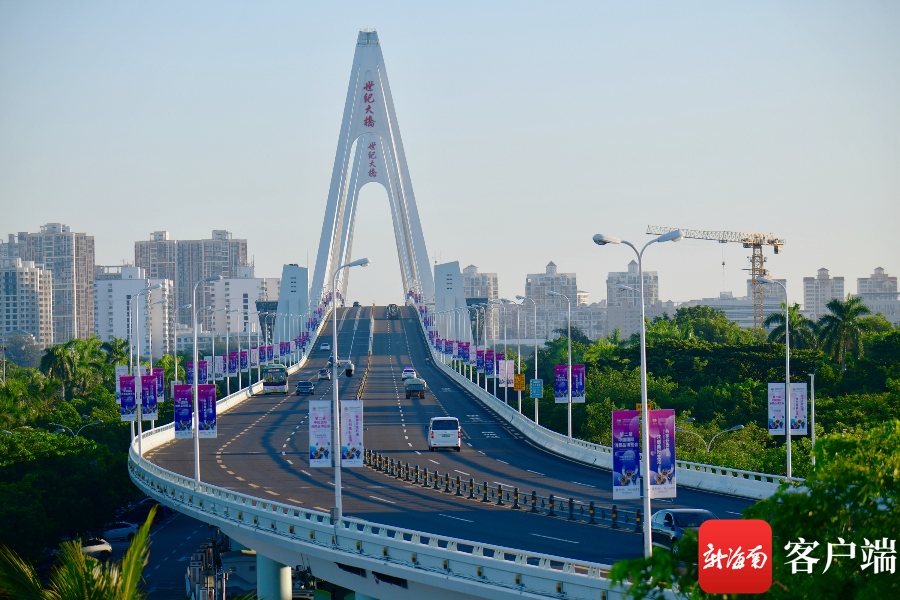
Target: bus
(392, 311)
(275, 379)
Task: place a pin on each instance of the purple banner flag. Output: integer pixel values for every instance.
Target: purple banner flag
(662, 453)
(578, 391)
(160, 385)
(206, 405)
(128, 392)
(626, 433)
(189, 372)
(148, 398)
(244, 359)
(183, 418)
(479, 360)
(232, 364)
(562, 384)
(489, 363)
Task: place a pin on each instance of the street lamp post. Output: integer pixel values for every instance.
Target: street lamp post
(336, 411)
(136, 349)
(569, 334)
(175, 343)
(518, 348)
(709, 445)
(69, 429)
(602, 240)
(787, 369)
(536, 400)
(812, 414)
(150, 345)
(196, 378)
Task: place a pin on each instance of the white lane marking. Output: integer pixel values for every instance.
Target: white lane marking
(382, 499)
(502, 484)
(457, 518)
(290, 461)
(733, 513)
(584, 484)
(479, 451)
(419, 453)
(535, 472)
(468, 444)
(410, 444)
(304, 472)
(553, 538)
(434, 461)
(406, 437)
(461, 472)
(503, 461)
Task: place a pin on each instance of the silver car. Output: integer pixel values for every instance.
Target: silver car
(97, 548)
(667, 527)
(121, 531)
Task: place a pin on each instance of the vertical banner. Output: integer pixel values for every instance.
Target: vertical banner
(626, 433)
(489, 363)
(160, 376)
(121, 371)
(319, 433)
(206, 406)
(232, 364)
(536, 389)
(148, 398)
(244, 359)
(183, 418)
(499, 360)
(277, 350)
(562, 384)
(456, 350)
(293, 346)
(254, 357)
(578, 392)
(189, 372)
(776, 409)
(798, 409)
(479, 360)
(351, 433)
(662, 453)
(220, 368)
(269, 353)
(128, 392)
(203, 372)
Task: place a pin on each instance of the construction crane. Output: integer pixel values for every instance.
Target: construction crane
(755, 241)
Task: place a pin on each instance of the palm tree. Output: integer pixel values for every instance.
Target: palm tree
(116, 351)
(804, 332)
(59, 363)
(77, 576)
(88, 363)
(842, 329)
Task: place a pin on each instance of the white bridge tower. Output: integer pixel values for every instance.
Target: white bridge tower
(370, 124)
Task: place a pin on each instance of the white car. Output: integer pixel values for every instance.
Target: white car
(121, 530)
(408, 372)
(444, 432)
(97, 548)
(325, 346)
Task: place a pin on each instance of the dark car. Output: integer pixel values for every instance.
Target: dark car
(355, 304)
(668, 526)
(305, 387)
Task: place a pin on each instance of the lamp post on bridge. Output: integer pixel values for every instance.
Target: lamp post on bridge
(569, 352)
(602, 240)
(787, 368)
(196, 427)
(536, 400)
(336, 410)
(518, 347)
(175, 344)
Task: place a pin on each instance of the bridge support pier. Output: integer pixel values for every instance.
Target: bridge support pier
(273, 579)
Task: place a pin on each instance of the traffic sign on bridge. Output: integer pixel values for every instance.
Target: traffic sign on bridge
(537, 388)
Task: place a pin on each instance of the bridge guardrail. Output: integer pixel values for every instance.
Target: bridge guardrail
(736, 482)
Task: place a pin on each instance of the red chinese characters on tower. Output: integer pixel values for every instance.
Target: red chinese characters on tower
(369, 121)
(368, 86)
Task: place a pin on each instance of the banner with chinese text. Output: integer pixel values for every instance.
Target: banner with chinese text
(254, 357)
(776, 409)
(220, 368)
(148, 398)
(351, 433)
(578, 392)
(798, 409)
(121, 371)
(232, 364)
(319, 433)
(183, 407)
(160, 385)
(128, 392)
(662, 453)
(626, 435)
(489, 363)
(244, 359)
(561, 388)
(206, 406)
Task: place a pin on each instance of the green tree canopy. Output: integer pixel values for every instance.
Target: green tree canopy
(842, 329)
(804, 331)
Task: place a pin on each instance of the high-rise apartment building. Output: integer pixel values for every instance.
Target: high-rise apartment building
(188, 261)
(236, 297)
(69, 256)
(26, 301)
(622, 297)
(115, 288)
(879, 294)
(818, 291)
(480, 288)
(552, 310)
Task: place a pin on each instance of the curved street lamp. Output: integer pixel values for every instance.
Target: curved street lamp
(196, 373)
(787, 369)
(602, 240)
(708, 445)
(69, 429)
(536, 400)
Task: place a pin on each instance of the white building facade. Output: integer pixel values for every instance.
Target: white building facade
(26, 301)
(113, 299)
(819, 291)
(233, 301)
(879, 293)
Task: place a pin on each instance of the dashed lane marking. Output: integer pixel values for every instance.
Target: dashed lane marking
(382, 499)
(457, 518)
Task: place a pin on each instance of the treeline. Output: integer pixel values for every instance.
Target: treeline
(712, 370)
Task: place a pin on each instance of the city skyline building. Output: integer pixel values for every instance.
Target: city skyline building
(617, 296)
(114, 291)
(818, 291)
(69, 256)
(481, 288)
(26, 298)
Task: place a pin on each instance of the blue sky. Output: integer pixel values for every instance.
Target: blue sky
(528, 128)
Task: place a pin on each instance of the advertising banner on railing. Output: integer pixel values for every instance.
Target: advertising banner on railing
(277, 350)
(562, 384)
(244, 359)
(776, 409)
(254, 357)
(121, 371)
(489, 363)
(662, 453)
(798, 409)
(160, 376)
(506, 371)
(183, 417)
(220, 368)
(351, 433)
(203, 372)
(626, 435)
(206, 406)
(128, 406)
(148, 398)
(319, 433)
(479, 360)
(456, 353)
(578, 392)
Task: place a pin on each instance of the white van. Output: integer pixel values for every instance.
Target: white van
(444, 432)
